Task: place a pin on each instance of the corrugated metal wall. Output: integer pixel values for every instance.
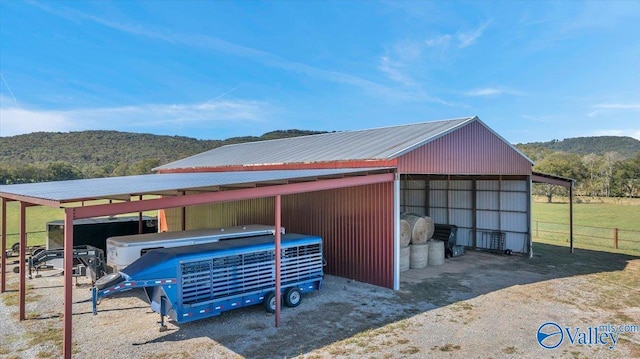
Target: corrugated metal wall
(477, 206)
(413, 196)
(253, 211)
(357, 227)
(472, 149)
(355, 223)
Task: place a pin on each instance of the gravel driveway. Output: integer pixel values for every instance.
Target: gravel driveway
(480, 305)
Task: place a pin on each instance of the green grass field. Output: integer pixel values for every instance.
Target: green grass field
(609, 215)
(37, 217)
(594, 224)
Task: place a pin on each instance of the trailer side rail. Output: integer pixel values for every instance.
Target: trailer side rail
(239, 274)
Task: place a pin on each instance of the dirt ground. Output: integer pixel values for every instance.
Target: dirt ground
(480, 305)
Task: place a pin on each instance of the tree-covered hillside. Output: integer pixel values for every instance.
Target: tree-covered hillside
(97, 147)
(45, 156)
(626, 147)
(601, 166)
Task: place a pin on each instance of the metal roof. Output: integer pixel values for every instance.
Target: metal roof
(373, 144)
(167, 183)
(541, 177)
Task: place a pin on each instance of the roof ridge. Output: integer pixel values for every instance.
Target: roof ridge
(434, 137)
(349, 131)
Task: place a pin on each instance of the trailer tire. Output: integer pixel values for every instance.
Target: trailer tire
(109, 280)
(269, 302)
(36, 251)
(292, 297)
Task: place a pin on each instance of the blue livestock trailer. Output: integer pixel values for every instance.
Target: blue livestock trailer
(199, 281)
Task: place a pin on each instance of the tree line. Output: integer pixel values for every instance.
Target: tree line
(606, 175)
(63, 171)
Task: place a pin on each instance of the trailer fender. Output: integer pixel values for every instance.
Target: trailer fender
(109, 280)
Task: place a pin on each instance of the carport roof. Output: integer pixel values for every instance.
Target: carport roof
(49, 193)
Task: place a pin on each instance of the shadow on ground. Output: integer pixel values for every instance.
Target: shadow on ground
(345, 308)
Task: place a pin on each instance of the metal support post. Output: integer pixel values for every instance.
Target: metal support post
(23, 255)
(68, 284)
(3, 245)
(278, 224)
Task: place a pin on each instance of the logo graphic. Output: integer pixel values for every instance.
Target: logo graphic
(550, 335)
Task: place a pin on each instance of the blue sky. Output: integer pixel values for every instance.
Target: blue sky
(532, 71)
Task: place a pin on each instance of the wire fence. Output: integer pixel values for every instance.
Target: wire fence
(588, 237)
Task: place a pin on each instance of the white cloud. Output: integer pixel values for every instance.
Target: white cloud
(618, 106)
(15, 121)
(142, 118)
(405, 55)
(603, 108)
(468, 38)
(438, 41)
(487, 91)
(491, 91)
(461, 39)
(394, 70)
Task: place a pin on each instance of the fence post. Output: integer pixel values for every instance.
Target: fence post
(615, 238)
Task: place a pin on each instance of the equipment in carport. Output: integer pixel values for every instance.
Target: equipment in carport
(457, 251)
(87, 260)
(448, 233)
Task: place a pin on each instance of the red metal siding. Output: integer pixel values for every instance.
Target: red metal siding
(472, 149)
(356, 224)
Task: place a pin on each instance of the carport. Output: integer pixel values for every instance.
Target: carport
(87, 198)
(539, 177)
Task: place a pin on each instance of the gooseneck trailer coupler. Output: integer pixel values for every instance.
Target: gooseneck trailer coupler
(195, 282)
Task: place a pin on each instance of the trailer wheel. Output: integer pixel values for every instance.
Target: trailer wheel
(36, 251)
(108, 280)
(269, 302)
(292, 297)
